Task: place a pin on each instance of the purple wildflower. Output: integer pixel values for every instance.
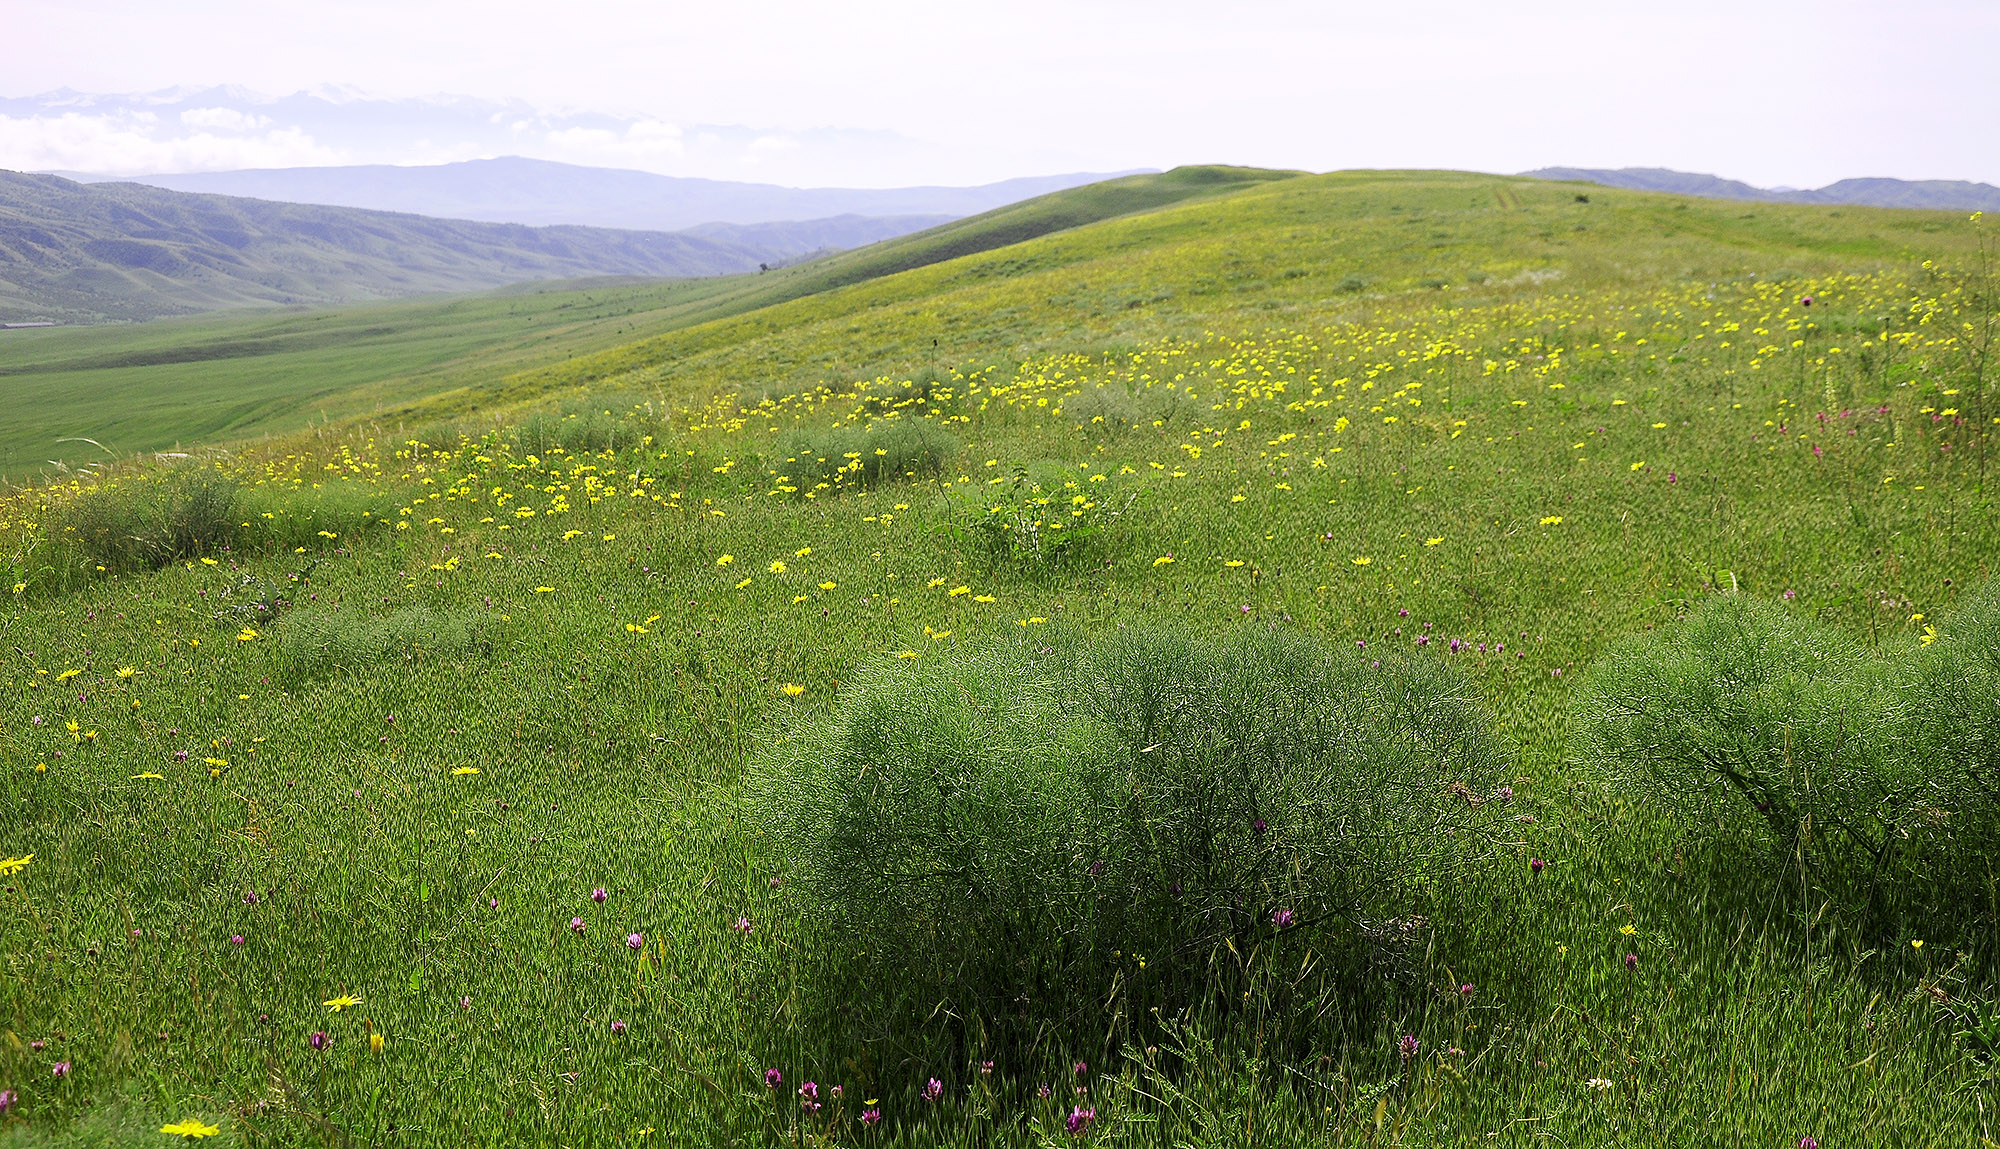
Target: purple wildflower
(1258, 825)
(1632, 962)
(6, 1100)
(1808, 1142)
(317, 1039)
(236, 939)
(933, 1089)
(576, 926)
(250, 897)
(1044, 1091)
(1281, 918)
(809, 1097)
(985, 1069)
(465, 1002)
(773, 1079)
(61, 1070)
(1535, 865)
(635, 941)
(742, 926)
(1408, 1046)
(1079, 1119)
(870, 1116)
(1080, 1068)
(618, 1027)
(1465, 990)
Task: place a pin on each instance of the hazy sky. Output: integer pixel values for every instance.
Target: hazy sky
(885, 93)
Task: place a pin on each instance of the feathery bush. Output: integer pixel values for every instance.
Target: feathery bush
(149, 520)
(1021, 835)
(1876, 775)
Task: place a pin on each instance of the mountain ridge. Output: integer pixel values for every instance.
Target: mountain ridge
(515, 189)
(1876, 191)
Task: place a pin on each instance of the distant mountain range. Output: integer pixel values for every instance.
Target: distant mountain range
(538, 192)
(1952, 195)
(74, 252)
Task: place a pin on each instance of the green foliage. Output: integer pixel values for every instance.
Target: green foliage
(149, 520)
(1014, 834)
(319, 642)
(1042, 520)
(1875, 775)
(860, 458)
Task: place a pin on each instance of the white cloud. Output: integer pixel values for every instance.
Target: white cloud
(126, 145)
(224, 119)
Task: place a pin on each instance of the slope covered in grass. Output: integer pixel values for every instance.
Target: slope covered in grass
(442, 735)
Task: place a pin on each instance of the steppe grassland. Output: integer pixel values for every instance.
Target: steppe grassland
(607, 636)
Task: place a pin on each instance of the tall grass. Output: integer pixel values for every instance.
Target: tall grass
(1063, 834)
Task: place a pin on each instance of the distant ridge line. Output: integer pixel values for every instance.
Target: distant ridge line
(1943, 195)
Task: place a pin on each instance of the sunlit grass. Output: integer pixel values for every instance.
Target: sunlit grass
(509, 674)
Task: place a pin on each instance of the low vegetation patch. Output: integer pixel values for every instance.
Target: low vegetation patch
(1060, 833)
(1868, 776)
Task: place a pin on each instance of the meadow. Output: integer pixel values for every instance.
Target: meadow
(448, 777)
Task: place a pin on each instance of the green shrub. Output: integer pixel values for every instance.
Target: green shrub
(850, 458)
(149, 520)
(1041, 522)
(1872, 776)
(1019, 836)
(321, 642)
(604, 423)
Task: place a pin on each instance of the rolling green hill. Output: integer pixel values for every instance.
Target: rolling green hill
(435, 775)
(1173, 251)
(145, 388)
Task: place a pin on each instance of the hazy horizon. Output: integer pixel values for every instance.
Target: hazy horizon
(898, 94)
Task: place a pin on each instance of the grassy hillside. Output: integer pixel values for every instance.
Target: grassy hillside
(421, 788)
(137, 389)
(88, 252)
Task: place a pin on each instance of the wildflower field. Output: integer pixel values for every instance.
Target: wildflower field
(1380, 658)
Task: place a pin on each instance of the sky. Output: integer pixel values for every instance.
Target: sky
(881, 94)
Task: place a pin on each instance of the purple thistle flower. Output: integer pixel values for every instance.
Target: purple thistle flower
(773, 1079)
(635, 941)
(61, 1070)
(597, 895)
(618, 1027)
(870, 1116)
(933, 1089)
(317, 1039)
